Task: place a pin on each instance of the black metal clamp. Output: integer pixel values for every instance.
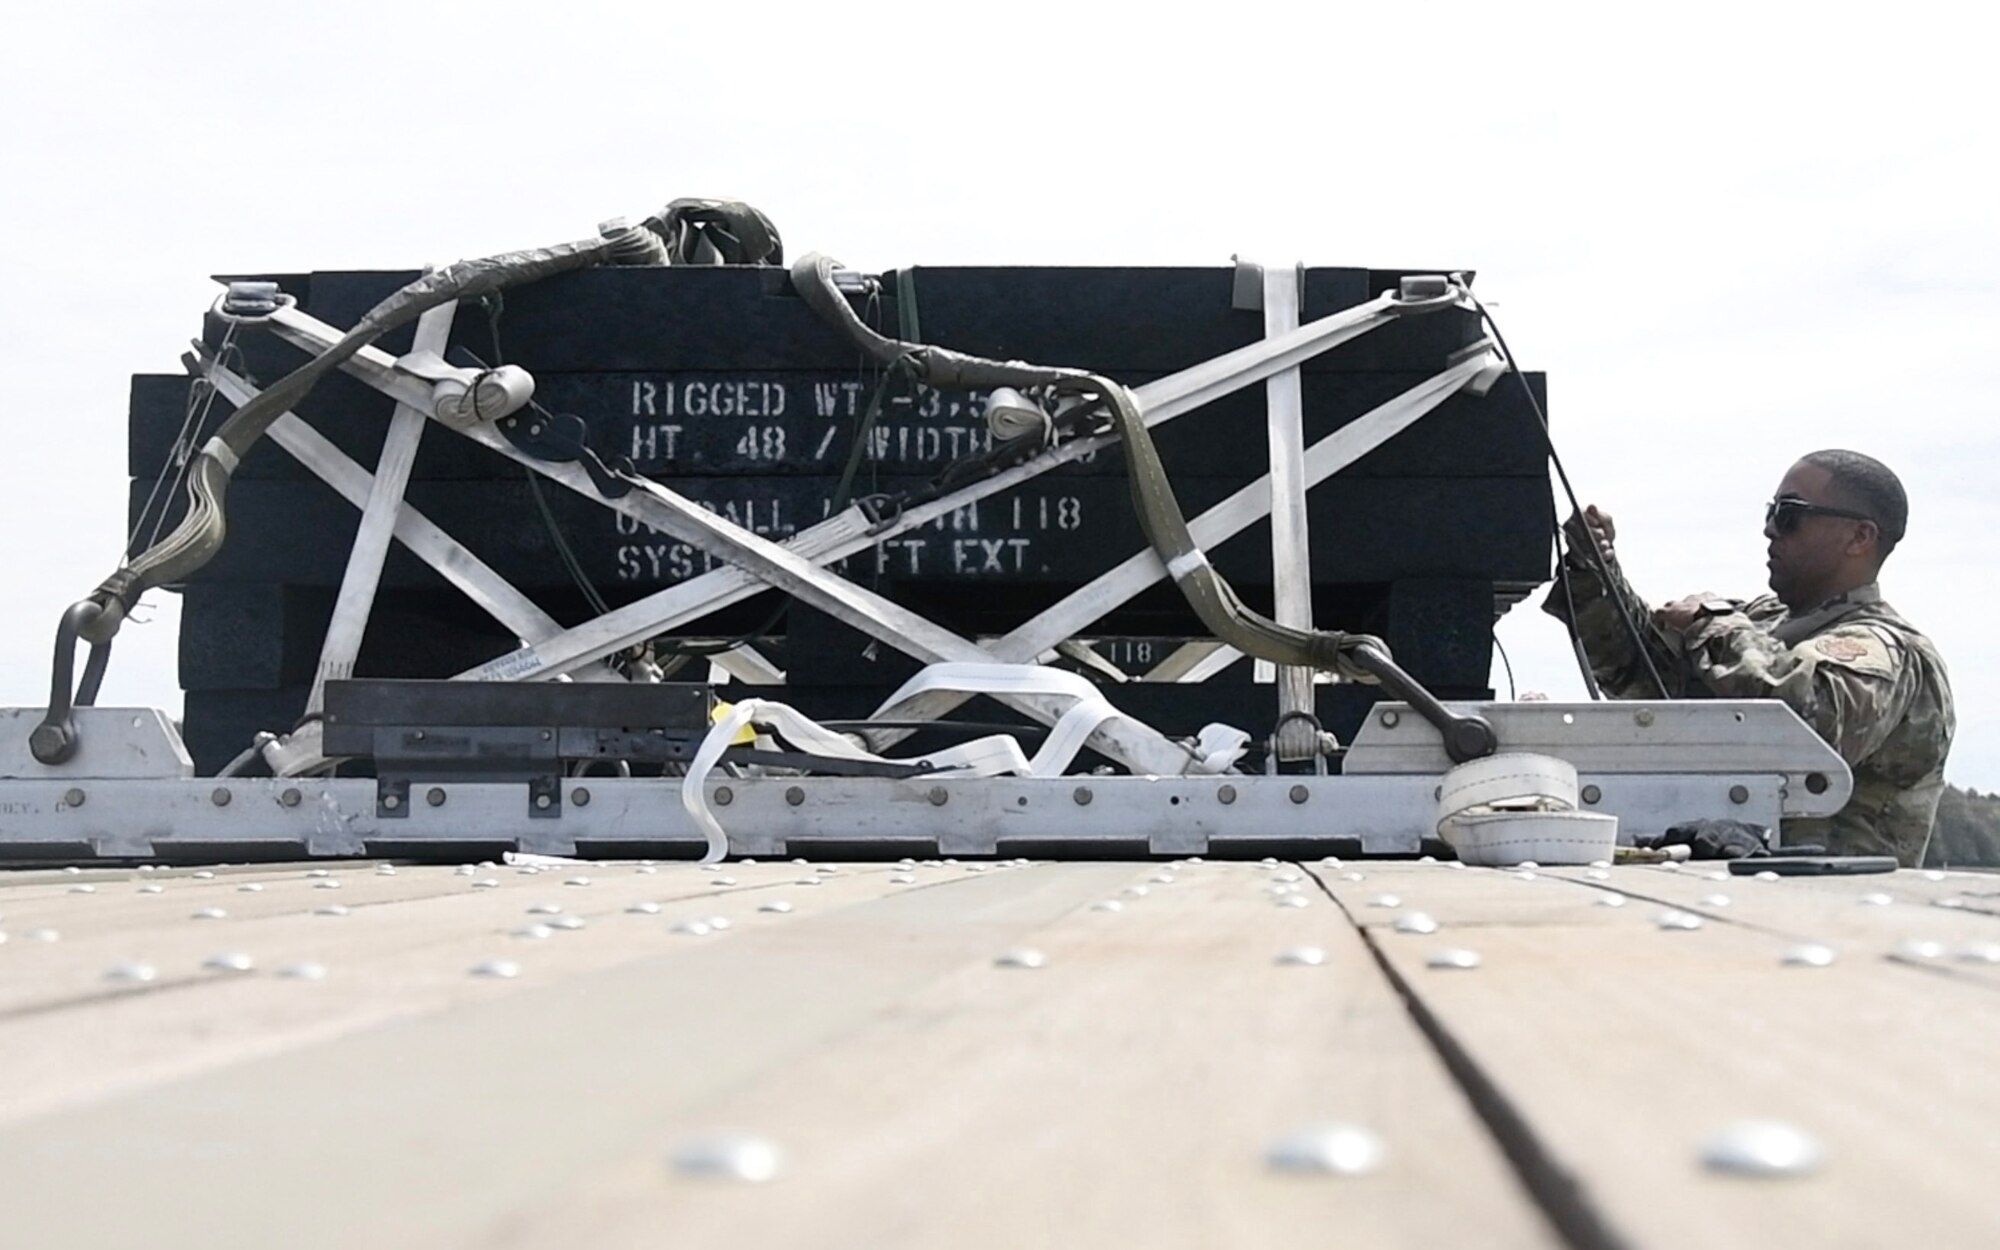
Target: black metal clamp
(54, 741)
(1465, 737)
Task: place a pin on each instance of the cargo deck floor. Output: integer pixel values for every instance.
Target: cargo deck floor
(1123, 1093)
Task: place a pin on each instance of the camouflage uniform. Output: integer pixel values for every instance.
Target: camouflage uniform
(1853, 669)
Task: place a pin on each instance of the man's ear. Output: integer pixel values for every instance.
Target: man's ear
(1867, 540)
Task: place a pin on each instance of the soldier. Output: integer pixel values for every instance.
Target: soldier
(1824, 641)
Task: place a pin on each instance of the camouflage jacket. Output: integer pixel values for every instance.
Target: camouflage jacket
(1853, 669)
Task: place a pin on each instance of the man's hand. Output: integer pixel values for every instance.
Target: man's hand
(1681, 613)
(1601, 528)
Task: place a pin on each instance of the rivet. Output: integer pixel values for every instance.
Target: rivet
(83, 889)
(1326, 1150)
(334, 910)
(1161, 878)
(1528, 863)
(305, 971)
(435, 796)
(1592, 794)
(546, 735)
(1597, 874)
(250, 888)
(1225, 795)
(317, 873)
(1643, 717)
(902, 879)
(938, 796)
(289, 796)
(1331, 861)
(73, 797)
(724, 796)
(1766, 875)
(220, 796)
(729, 1158)
(1390, 719)
(392, 801)
(566, 922)
(1762, 1148)
(1524, 875)
(692, 928)
(486, 883)
(132, 974)
(1352, 876)
(1875, 898)
(1385, 900)
(1808, 955)
(577, 881)
(210, 913)
(645, 870)
(544, 802)
(1303, 956)
(1919, 949)
(326, 885)
(1427, 859)
(234, 961)
(794, 795)
(1739, 794)
(722, 881)
(643, 909)
(204, 875)
(1976, 953)
(1816, 783)
(1300, 794)
(1109, 904)
(807, 881)
(718, 867)
(1137, 891)
(580, 796)
(535, 932)
(1715, 900)
(385, 870)
(825, 870)
(1416, 922)
(1611, 900)
(1600, 863)
(503, 968)
(1025, 957)
(546, 909)
(717, 923)
(1453, 959)
(1932, 874)
(1294, 900)
(1677, 920)
(1288, 878)
(776, 905)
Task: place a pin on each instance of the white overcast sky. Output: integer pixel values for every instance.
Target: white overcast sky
(1730, 233)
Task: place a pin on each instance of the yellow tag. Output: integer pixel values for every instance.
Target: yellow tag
(744, 736)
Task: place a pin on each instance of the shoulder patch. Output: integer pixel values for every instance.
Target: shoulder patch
(1862, 650)
(1841, 648)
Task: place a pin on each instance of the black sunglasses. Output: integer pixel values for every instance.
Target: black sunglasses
(1784, 513)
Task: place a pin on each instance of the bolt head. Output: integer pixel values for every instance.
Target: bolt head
(1109, 904)
(1303, 956)
(1326, 1150)
(1677, 920)
(1809, 955)
(1415, 922)
(1762, 1148)
(304, 971)
(1453, 960)
(729, 1157)
(503, 969)
(776, 905)
(233, 961)
(1024, 957)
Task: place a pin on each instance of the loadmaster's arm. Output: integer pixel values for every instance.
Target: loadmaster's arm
(1606, 639)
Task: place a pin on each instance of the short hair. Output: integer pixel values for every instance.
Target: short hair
(1871, 487)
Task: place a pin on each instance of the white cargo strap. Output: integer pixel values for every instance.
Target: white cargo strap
(990, 756)
(1510, 808)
